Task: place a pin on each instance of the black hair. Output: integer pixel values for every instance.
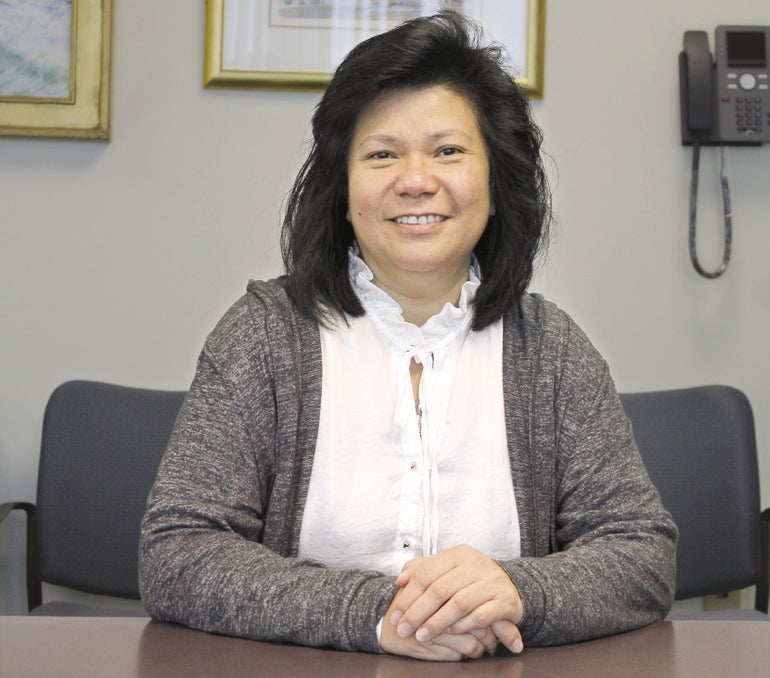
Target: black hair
(445, 49)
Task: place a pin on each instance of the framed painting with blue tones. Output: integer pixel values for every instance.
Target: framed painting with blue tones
(55, 68)
(296, 44)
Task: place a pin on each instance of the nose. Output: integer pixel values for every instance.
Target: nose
(415, 178)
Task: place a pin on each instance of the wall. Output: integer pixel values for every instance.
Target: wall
(116, 259)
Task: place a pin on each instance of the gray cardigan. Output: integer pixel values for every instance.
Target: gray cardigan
(220, 536)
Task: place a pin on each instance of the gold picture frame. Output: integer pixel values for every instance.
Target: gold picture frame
(217, 75)
(85, 112)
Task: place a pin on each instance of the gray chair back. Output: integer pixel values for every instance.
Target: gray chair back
(101, 447)
(699, 447)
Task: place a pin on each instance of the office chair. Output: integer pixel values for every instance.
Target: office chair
(699, 447)
(100, 451)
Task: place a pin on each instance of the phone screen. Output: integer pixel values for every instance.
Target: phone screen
(746, 49)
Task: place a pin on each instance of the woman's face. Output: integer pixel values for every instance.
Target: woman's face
(418, 184)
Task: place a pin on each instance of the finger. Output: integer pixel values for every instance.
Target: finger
(436, 652)
(481, 617)
(466, 644)
(434, 608)
(406, 571)
(453, 651)
(391, 642)
(488, 638)
(419, 578)
(434, 580)
(486, 603)
(508, 634)
(422, 572)
(472, 601)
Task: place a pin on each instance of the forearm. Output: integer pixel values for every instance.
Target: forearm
(223, 583)
(595, 590)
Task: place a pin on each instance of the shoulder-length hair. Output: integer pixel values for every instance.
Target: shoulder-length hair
(445, 49)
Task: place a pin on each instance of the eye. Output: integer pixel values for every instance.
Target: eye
(380, 155)
(448, 151)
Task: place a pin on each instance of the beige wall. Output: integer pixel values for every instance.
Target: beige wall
(116, 259)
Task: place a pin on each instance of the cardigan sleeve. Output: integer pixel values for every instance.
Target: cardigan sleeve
(611, 546)
(214, 551)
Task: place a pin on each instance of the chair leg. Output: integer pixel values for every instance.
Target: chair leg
(763, 586)
(34, 586)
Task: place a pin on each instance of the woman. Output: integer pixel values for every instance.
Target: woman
(394, 447)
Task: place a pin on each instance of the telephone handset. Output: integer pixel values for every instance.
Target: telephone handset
(723, 103)
(726, 102)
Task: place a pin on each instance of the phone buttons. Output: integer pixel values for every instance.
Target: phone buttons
(747, 81)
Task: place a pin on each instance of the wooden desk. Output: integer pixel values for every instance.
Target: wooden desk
(104, 646)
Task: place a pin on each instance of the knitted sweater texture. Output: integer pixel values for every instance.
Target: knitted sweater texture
(221, 533)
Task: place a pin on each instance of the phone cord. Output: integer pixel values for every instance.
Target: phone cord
(726, 210)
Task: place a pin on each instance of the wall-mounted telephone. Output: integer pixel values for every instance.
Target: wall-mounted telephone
(723, 103)
(726, 102)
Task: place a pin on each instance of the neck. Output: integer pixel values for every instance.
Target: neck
(420, 297)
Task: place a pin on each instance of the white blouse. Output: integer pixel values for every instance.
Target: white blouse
(388, 485)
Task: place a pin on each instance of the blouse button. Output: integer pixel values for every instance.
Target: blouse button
(413, 466)
(406, 543)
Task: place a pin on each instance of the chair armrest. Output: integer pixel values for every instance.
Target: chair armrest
(5, 509)
(763, 585)
(34, 587)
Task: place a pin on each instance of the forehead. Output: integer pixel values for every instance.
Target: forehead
(406, 107)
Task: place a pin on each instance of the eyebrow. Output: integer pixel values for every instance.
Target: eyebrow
(436, 136)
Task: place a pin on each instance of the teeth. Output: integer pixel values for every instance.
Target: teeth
(424, 219)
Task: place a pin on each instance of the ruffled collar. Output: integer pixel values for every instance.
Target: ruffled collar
(438, 332)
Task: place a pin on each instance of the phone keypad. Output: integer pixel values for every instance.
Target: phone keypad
(748, 114)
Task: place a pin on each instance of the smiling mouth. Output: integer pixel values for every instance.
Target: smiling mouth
(422, 219)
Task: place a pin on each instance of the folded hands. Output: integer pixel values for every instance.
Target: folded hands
(453, 605)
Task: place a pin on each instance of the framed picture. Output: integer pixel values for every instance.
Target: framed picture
(296, 44)
(55, 68)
